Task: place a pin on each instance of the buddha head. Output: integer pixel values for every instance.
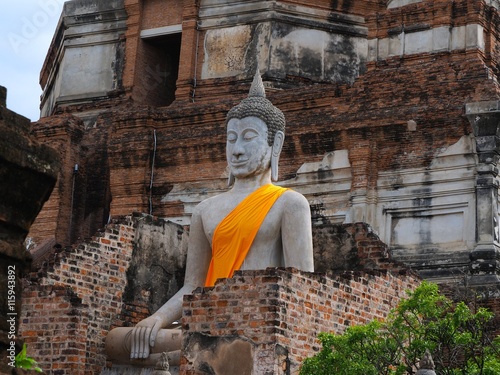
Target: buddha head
(256, 110)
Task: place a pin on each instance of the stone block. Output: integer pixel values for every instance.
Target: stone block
(458, 38)
(418, 42)
(396, 45)
(441, 39)
(384, 48)
(474, 36)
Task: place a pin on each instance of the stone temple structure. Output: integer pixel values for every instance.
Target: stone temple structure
(393, 116)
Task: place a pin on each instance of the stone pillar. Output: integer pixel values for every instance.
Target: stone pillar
(28, 172)
(485, 257)
(186, 81)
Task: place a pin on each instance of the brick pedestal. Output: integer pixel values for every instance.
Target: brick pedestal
(266, 322)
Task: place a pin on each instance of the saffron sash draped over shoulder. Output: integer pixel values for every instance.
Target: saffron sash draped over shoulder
(234, 235)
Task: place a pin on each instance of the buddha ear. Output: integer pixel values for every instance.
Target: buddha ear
(230, 180)
(279, 139)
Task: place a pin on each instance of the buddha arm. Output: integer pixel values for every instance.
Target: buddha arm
(198, 257)
(296, 232)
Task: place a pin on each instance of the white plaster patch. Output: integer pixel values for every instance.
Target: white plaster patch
(441, 38)
(465, 145)
(294, 45)
(430, 207)
(431, 228)
(85, 70)
(326, 183)
(418, 42)
(457, 38)
(318, 55)
(384, 47)
(432, 40)
(474, 36)
(332, 160)
(396, 45)
(225, 51)
(400, 3)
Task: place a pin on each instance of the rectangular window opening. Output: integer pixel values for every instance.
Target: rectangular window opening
(161, 67)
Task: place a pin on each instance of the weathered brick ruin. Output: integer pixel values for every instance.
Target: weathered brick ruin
(28, 172)
(263, 320)
(393, 111)
(80, 292)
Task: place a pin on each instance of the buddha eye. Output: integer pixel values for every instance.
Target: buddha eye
(231, 137)
(249, 135)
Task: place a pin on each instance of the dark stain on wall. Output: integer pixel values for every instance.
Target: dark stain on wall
(157, 268)
(334, 248)
(342, 5)
(210, 354)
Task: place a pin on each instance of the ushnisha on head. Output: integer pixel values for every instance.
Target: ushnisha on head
(257, 105)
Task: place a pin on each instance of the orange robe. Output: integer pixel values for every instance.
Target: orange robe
(234, 235)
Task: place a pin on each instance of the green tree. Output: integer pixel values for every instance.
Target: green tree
(460, 340)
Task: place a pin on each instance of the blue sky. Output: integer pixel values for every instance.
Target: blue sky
(26, 30)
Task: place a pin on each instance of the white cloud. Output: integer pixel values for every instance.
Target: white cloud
(26, 30)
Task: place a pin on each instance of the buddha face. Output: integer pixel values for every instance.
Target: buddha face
(247, 151)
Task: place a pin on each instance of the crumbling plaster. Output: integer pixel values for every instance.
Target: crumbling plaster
(317, 46)
(85, 58)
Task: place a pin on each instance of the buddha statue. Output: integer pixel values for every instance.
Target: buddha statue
(252, 226)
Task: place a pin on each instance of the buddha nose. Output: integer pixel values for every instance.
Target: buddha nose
(238, 149)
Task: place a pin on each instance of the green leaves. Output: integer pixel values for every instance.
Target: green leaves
(460, 340)
(353, 353)
(25, 362)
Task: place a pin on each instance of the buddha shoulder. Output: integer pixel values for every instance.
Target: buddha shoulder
(292, 201)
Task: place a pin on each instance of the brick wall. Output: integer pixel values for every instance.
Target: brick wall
(159, 13)
(369, 120)
(349, 247)
(70, 303)
(64, 134)
(117, 278)
(492, 38)
(54, 326)
(281, 311)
